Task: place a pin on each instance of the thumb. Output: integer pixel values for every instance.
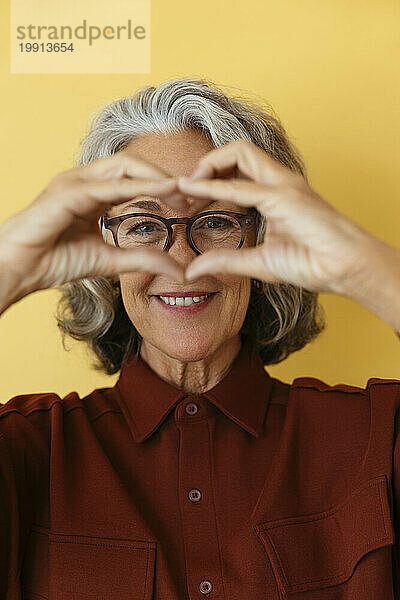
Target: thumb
(113, 261)
(248, 262)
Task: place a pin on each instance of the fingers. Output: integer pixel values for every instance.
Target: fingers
(92, 199)
(247, 262)
(248, 158)
(121, 164)
(288, 209)
(113, 261)
(241, 192)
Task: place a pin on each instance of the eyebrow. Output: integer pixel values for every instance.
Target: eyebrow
(145, 204)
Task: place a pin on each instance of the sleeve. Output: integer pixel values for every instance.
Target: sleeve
(15, 522)
(396, 504)
(24, 472)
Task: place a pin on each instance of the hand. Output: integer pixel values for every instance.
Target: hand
(307, 242)
(57, 238)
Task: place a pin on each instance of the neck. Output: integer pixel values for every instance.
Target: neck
(193, 377)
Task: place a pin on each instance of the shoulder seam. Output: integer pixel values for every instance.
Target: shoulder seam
(60, 401)
(388, 382)
(330, 388)
(15, 410)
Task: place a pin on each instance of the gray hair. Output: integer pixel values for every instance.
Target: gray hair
(283, 318)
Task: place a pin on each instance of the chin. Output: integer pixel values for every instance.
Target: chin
(189, 348)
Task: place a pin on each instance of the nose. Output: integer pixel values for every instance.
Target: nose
(180, 248)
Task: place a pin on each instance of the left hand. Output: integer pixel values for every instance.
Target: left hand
(307, 242)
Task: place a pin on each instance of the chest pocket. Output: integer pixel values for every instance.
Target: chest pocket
(320, 550)
(91, 568)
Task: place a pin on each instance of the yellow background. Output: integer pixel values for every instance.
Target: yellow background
(330, 71)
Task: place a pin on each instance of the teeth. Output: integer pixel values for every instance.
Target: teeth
(187, 301)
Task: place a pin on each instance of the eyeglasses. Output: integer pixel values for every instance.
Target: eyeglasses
(207, 230)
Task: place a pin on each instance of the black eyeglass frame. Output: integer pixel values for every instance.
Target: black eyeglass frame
(244, 220)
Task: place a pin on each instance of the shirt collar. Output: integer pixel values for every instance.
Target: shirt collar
(242, 395)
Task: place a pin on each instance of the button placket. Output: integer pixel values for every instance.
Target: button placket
(194, 494)
(199, 527)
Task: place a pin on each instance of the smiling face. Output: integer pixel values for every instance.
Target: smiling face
(193, 333)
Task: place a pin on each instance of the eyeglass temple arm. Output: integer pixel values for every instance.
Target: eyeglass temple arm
(102, 228)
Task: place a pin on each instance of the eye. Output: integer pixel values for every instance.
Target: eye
(139, 227)
(214, 223)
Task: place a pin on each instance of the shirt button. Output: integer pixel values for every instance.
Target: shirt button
(205, 586)
(194, 495)
(191, 408)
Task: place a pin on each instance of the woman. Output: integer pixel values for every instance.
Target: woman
(197, 474)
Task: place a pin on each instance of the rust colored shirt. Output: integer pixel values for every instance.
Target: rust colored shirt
(257, 489)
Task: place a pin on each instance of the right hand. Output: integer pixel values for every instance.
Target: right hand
(57, 239)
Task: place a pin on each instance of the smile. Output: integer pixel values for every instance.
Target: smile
(186, 301)
(186, 305)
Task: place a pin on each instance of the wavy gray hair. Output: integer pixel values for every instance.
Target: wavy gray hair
(283, 318)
